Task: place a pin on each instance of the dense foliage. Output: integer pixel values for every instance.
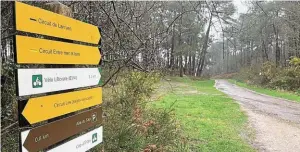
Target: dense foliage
(129, 125)
(267, 32)
(268, 75)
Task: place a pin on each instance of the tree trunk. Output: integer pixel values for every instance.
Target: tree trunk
(193, 65)
(172, 49)
(284, 53)
(264, 51)
(185, 69)
(190, 64)
(179, 44)
(235, 56)
(204, 49)
(64, 10)
(277, 49)
(250, 53)
(227, 58)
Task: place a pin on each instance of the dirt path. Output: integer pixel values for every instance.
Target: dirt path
(276, 121)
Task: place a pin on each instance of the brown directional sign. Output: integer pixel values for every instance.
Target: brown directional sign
(44, 136)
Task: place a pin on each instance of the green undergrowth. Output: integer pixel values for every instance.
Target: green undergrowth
(271, 92)
(128, 125)
(209, 119)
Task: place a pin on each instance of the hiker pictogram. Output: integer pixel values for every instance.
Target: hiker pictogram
(94, 138)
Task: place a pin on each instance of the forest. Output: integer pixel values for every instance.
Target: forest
(145, 42)
(176, 37)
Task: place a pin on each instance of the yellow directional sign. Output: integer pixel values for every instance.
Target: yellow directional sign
(42, 51)
(35, 20)
(44, 108)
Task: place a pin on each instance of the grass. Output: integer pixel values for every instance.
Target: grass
(275, 93)
(210, 120)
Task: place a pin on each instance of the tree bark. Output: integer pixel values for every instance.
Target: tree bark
(277, 51)
(179, 44)
(204, 49)
(193, 65)
(171, 66)
(189, 64)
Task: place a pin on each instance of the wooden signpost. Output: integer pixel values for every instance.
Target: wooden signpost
(42, 51)
(82, 143)
(35, 81)
(44, 136)
(63, 49)
(35, 20)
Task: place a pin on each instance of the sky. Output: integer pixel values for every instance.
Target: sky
(241, 7)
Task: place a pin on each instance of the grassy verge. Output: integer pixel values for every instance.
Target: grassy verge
(270, 92)
(209, 119)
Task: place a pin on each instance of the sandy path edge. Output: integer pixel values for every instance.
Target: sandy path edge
(275, 122)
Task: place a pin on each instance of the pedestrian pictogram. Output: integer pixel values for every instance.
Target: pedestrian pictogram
(94, 138)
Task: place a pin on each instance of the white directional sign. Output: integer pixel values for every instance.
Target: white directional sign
(82, 143)
(35, 81)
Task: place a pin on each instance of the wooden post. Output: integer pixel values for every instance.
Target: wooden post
(59, 8)
(62, 9)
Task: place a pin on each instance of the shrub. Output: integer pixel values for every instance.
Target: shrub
(288, 78)
(268, 70)
(268, 75)
(249, 75)
(295, 61)
(129, 125)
